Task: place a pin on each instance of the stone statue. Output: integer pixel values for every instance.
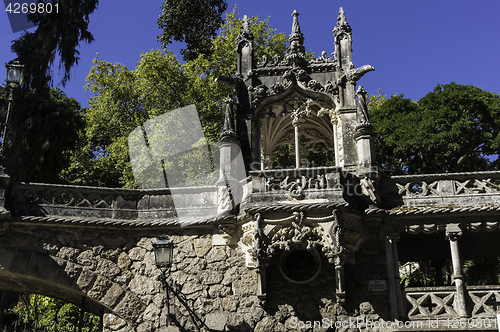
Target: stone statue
(229, 116)
(362, 114)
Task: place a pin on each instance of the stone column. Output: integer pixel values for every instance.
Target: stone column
(296, 119)
(231, 165)
(392, 265)
(453, 233)
(339, 278)
(266, 162)
(262, 285)
(336, 143)
(399, 293)
(297, 146)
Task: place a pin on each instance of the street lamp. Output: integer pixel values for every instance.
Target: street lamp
(14, 72)
(163, 252)
(14, 78)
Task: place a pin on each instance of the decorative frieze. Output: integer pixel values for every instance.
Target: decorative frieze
(291, 179)
(63, 195)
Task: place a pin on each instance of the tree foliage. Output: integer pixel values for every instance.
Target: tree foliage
(125, 99)
(194, 22)
(58, 35)
(49, 314)
(46, 130)
(454, 128)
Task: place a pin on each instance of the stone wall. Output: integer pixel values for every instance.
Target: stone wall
(114, 270)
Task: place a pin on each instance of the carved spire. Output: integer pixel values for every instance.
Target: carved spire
(296, 51)
(342, 25)
(343, 41)
(296, 34)
(244, 48)
(245, 29)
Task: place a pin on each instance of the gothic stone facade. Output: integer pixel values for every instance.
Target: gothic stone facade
(304, 248)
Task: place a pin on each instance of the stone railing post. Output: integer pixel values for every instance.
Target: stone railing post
(453, 233)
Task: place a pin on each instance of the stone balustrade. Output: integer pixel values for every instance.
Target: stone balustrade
(39, 199)
(440, 302)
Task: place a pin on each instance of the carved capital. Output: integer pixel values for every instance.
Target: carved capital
(453, 232)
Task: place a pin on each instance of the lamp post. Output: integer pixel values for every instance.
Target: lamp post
(164, 250)
(164, 253)
(14, 78)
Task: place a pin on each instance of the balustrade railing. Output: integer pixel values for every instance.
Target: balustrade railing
(440, 302)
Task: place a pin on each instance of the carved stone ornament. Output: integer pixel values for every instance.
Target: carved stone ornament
(277, 123)
(228, 231)
(300, 77)
(422, 188)
(261, 252)
(342, 25)
(368, 189)
(294, 235)
(321, 232)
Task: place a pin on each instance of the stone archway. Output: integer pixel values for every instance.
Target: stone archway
(297, 117)
(76, 265)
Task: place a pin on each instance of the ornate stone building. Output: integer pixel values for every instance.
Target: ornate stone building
(315, 246)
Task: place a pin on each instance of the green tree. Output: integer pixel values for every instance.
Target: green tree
(123, 100)
(126, 99)
(46, 121)
(194, 22)
(455, 128)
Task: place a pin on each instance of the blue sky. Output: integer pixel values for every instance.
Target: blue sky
(413, 45)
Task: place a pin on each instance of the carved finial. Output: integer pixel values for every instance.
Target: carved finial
(245, 34)
(296, 51)
(296, 37)
(245, 28)
(342, 25)
(295, 24)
